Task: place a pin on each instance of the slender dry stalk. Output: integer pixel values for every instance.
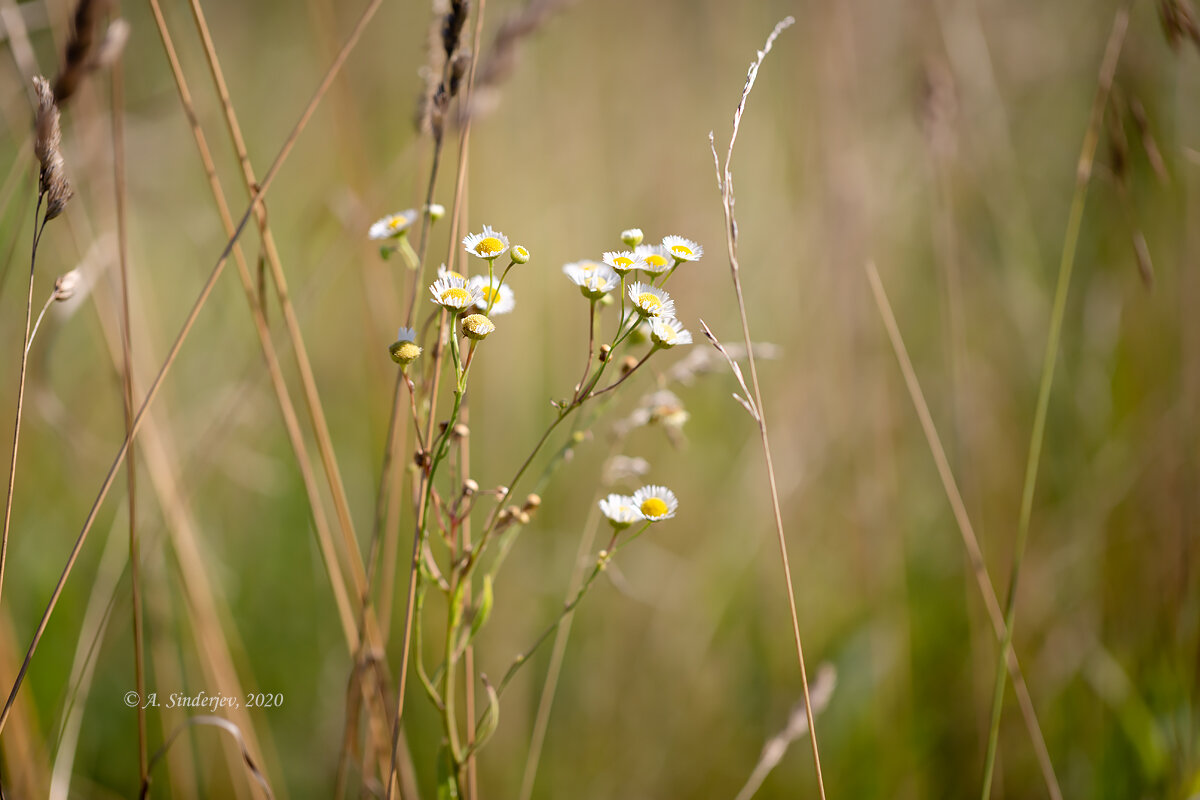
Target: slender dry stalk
(152, 392)
(308, 381)
(118, 141)
(963, 520)
(321, 528)
(53, 193)
(1083, 172)
(454, 23)
(725, 184)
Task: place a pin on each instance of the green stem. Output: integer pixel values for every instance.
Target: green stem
(606, 555)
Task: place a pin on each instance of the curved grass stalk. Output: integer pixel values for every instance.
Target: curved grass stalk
(1087, 155)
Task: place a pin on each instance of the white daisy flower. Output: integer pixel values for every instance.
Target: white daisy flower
(490, 244)
(446, 272)
(392, 225)
(623, 261)
(621, 510)
(667, 332)
(594, 280)
(656, 503)
(405, 350)
(453, 294)
(632, 236)
(500, 296)
(683, 249)
(650, 301)
(477, 326)
(657, 258)
(583, 267)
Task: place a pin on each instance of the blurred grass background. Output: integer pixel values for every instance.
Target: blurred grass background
(938, 138)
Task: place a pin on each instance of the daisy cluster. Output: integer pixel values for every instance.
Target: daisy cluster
(648, 301)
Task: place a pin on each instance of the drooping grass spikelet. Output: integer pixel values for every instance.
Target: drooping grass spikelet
(47, 146)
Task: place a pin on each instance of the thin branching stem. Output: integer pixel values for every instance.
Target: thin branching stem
(725, 183)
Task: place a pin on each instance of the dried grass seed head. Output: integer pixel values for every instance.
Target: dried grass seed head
(47, 145)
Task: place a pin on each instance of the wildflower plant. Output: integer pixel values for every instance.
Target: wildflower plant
(446, 558)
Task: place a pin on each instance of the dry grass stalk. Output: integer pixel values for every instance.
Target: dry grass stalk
(754, 403)
(970, 541)
(53, 193)
(206, 291)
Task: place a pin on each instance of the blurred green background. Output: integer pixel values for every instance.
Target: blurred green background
(938, 138)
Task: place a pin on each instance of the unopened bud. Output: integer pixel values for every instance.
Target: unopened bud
(66, 285)
(628, 364)
(519, 255)
(470, 487)
(605, 352)
(532, 502)
(461, 431)
(632, 237)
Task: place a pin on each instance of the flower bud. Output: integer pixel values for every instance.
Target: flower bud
(477, 326)
(519, 255)
(632, 237)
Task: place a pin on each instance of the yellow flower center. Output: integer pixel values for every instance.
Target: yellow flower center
(452, 274)
(489, 294)
(682, 250)
(488, 246)
(623, 262)
(655, 260)
(648, 301)
(654, 507)
(456, 295)
(397, 222)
